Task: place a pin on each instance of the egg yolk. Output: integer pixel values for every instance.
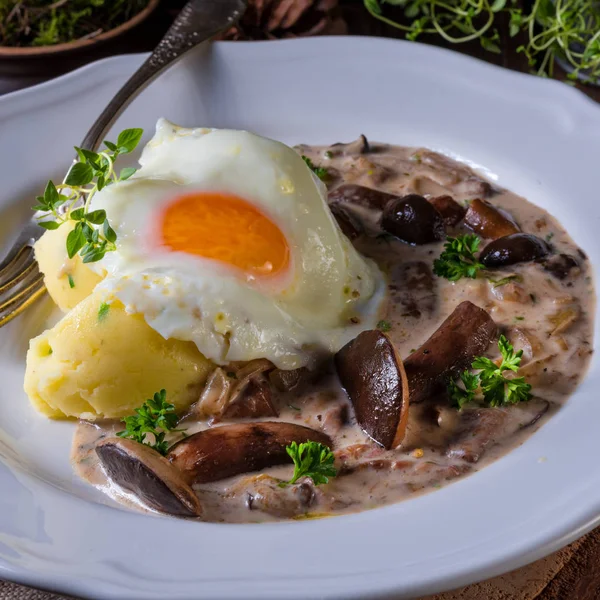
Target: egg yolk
(226, 228)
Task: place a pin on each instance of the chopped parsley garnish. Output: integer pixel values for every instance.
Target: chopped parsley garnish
(92, 237)
(71, 281)
(152, 417)
(497, 389)
(313, 460)
(320, 172)
(103, 311)
(384, 325)
(458, 258)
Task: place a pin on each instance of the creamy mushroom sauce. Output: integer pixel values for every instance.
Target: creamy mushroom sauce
(549, 318)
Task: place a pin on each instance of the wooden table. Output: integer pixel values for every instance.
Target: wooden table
(573, 573)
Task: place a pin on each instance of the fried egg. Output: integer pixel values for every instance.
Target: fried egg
(225, 239)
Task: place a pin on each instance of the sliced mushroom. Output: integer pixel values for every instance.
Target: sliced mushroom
(215, 395)
(254, 400)
(358, 146)
(289, 381)
(488, 221)
(262, 492)
(372, 374)
(351, 226)
(413, 220)
(562, 266)
(241, 391)
(481, 428)
(524, 339)
(229, 450)
(465, 334)
(512, 249)
(361, 196)
(153, 479)
(413, 286)
(452, 212)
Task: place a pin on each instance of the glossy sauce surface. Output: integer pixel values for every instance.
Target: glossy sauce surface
(549, 317)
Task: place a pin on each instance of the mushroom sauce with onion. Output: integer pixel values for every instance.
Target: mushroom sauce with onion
(389, 421)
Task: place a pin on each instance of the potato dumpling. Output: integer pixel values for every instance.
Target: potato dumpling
(51, 254)
(99, 361)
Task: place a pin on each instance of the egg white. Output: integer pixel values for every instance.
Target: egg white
(289, 318)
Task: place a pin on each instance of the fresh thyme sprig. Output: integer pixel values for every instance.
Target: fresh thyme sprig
(155, 414)
(92, 237)
(313, 460)
(498, 390)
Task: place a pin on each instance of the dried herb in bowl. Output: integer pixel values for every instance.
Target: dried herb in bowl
(46, 23)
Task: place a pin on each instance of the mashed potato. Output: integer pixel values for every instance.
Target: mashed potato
(51, 254)
(105, 363)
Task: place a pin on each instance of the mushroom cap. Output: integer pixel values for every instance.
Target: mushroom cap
(228, 450)
(141, 470)
(372, 373)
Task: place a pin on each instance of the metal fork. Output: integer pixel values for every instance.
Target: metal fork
(21, 282)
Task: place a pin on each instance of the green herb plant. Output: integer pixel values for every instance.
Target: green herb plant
(563, 29)
(497, 389)
(92, 237)
(313, 460)
(49, 22)
(156, 417)
(458, 258)
(457, 21)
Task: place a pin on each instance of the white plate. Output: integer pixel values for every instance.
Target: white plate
(539, 138)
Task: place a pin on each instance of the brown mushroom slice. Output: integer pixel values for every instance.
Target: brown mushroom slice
(241, 392)
(358, 146)
(289, 381)
(254, 400)
(222, 452)
(488, 221)
(360, 195)
(562, 266)
(452, 212)
(481, 428)
(153, 479)
(465, 334)
(372, 374)
(351, 226)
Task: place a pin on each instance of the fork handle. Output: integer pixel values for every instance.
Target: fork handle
(197, 22)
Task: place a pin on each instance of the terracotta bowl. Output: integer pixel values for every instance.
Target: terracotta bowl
(46, 61)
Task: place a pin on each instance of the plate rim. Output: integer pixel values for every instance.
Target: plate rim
(528, 552)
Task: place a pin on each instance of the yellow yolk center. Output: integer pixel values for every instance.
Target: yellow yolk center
(226, 228)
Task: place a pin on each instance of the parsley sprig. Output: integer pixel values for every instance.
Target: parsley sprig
(153, 416)
(92, 237)
(498, 390)
(320, 172)
(311, 459)
(463, 395)
(458, 258)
